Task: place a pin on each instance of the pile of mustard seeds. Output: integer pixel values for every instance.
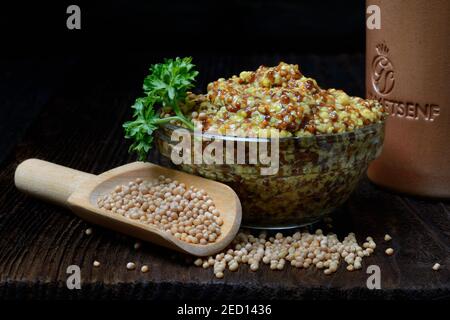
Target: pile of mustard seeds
(187, 213)
(301, 250)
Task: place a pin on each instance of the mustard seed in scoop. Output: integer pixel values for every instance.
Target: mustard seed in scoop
(187, 213)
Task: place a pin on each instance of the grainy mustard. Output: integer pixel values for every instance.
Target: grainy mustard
(280, 98)
(338, 136)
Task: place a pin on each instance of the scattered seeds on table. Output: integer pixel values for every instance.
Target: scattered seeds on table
(131, 266)
(387, 237)
(96, 264)
(144, 269)
(436, 266)
(233, 266)
(188, 213)
(389, 251)
(88, 231)
(198, 262)
(300, 250)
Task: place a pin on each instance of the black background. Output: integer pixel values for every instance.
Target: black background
(183, 27)
(118, 40)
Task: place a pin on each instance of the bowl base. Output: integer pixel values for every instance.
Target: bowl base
(285, 227)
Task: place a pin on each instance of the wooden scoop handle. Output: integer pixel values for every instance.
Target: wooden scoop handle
(48, 181)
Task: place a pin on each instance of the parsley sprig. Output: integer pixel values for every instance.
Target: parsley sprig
(165, 87)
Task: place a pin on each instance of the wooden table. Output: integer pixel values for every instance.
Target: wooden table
(77, 123)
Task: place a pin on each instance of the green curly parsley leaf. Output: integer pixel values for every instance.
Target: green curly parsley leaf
(165, 86)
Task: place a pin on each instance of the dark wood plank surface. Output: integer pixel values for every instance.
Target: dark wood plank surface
(80, 127)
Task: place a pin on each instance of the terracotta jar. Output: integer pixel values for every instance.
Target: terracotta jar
(408, 70)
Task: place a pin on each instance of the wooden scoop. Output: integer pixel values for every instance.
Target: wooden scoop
(79, 191)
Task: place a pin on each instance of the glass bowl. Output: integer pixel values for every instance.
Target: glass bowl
(316, 174)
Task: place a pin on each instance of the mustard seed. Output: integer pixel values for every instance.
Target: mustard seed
(254, 266)
(198, 262)
(233, 267)
(131, 266)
